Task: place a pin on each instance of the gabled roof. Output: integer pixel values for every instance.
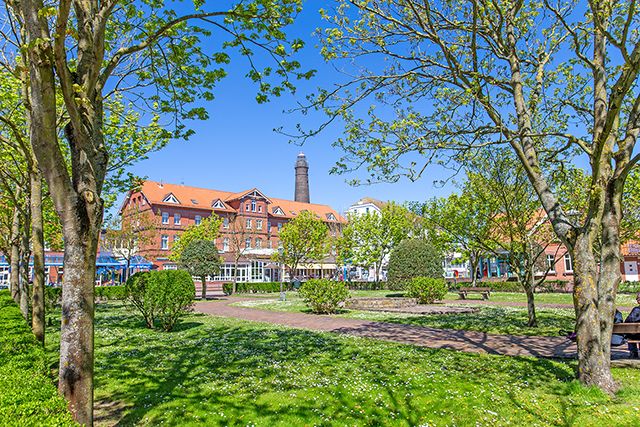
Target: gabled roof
(203, 198)
(254, 192)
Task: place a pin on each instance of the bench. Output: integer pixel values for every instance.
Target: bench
(627, 328)
(485, 292)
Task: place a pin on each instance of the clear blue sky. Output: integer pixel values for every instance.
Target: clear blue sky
(237, 149)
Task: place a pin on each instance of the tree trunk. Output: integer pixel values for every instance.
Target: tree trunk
(76, 335)
(593, 323)
(14, 270)
(473, 261)
(25, 254)
(37, 235)
(529, 285)
(203, 294)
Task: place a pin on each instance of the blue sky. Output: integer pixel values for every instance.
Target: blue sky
(237, 149)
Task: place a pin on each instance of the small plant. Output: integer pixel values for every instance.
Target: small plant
(324, 296)
(162, 296)
(426, 289)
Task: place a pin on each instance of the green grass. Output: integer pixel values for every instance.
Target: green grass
(214, 371)
(28, 396)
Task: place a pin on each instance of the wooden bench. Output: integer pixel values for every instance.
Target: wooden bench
(628, 328)
(485, 292)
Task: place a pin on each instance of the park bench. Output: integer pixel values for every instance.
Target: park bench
(485, 292)
(627, 328)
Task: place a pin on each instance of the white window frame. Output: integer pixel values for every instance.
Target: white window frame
(258, 243)
(254, 205)
(551, 262)
(258, 224)
(177, 218)
(164, 242)
(225, 222)
(198, 219)
(247, 243)
(248, 224)
(165, 217)
(225, 244)
(568, 262)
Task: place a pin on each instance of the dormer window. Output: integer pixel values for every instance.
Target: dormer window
(277, 211)
(194, 201)
(293, 212)
(218, 204)
(331, 217)
(170, 198)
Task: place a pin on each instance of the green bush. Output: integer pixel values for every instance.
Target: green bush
(427, 289)
(366, 286)
(108, 293)
(256, 288)
(172, 292)
(161, 296)
(413, 258)
(629, 287)
(28, 396)
(324, 296)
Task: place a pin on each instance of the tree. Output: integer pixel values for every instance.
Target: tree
(304, 239)
(207, 230)
(200, 258)
(414, 258)
(497, 180)
(93, 48)
(369, 238)
(552, 80)
(137, 229)
(459, 224)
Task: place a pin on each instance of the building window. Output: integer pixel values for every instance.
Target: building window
(258, 224)
(165, 217)
(551, 262)
(247, 243)
(225, 222)
(269, 243)
(176, 219)
(164, 242)
(248, 224)
(268, 225)
(247, 207)
(258, 243)
(225, 244)
(253, 206)
(198, 219)
(175, 238)
(169, 267)
(259, 208)
(279, 227)
(568, 264)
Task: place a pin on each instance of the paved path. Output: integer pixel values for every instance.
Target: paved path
(468, 341)
(623, 308)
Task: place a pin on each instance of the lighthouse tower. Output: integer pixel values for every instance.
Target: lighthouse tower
(302, 179)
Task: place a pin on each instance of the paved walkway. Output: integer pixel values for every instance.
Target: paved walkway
(624, 308)
(468, 341)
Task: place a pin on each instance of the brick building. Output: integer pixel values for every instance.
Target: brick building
(251, 222)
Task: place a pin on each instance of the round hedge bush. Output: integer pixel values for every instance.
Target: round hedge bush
(413, 258)
(324, 296)
(427, 289)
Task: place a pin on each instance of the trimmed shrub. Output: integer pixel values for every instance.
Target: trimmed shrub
(256, 288)
(427, 289)
(28, 396)
(163, 296)
(108, 293)
(629, 287)
(172, 293)
(366, 286)
(324, 296)
(413, 258)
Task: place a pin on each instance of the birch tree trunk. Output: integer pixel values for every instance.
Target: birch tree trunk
(25, 254)
(14, 273)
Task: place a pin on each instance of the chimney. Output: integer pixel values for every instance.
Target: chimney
(302, 179)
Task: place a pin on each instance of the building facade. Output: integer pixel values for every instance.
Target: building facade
(249, 233)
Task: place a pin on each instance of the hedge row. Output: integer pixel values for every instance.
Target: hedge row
(629, 287)
(52, 295)
(547, 286)
(256, 288)
(28, 396)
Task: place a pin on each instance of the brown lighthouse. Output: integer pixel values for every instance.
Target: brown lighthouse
(302, 179)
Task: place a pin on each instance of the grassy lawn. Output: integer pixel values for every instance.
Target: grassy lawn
(492, 319)
(214, 371)
(541, 298)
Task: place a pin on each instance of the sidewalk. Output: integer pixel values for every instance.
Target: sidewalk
(467, 341)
